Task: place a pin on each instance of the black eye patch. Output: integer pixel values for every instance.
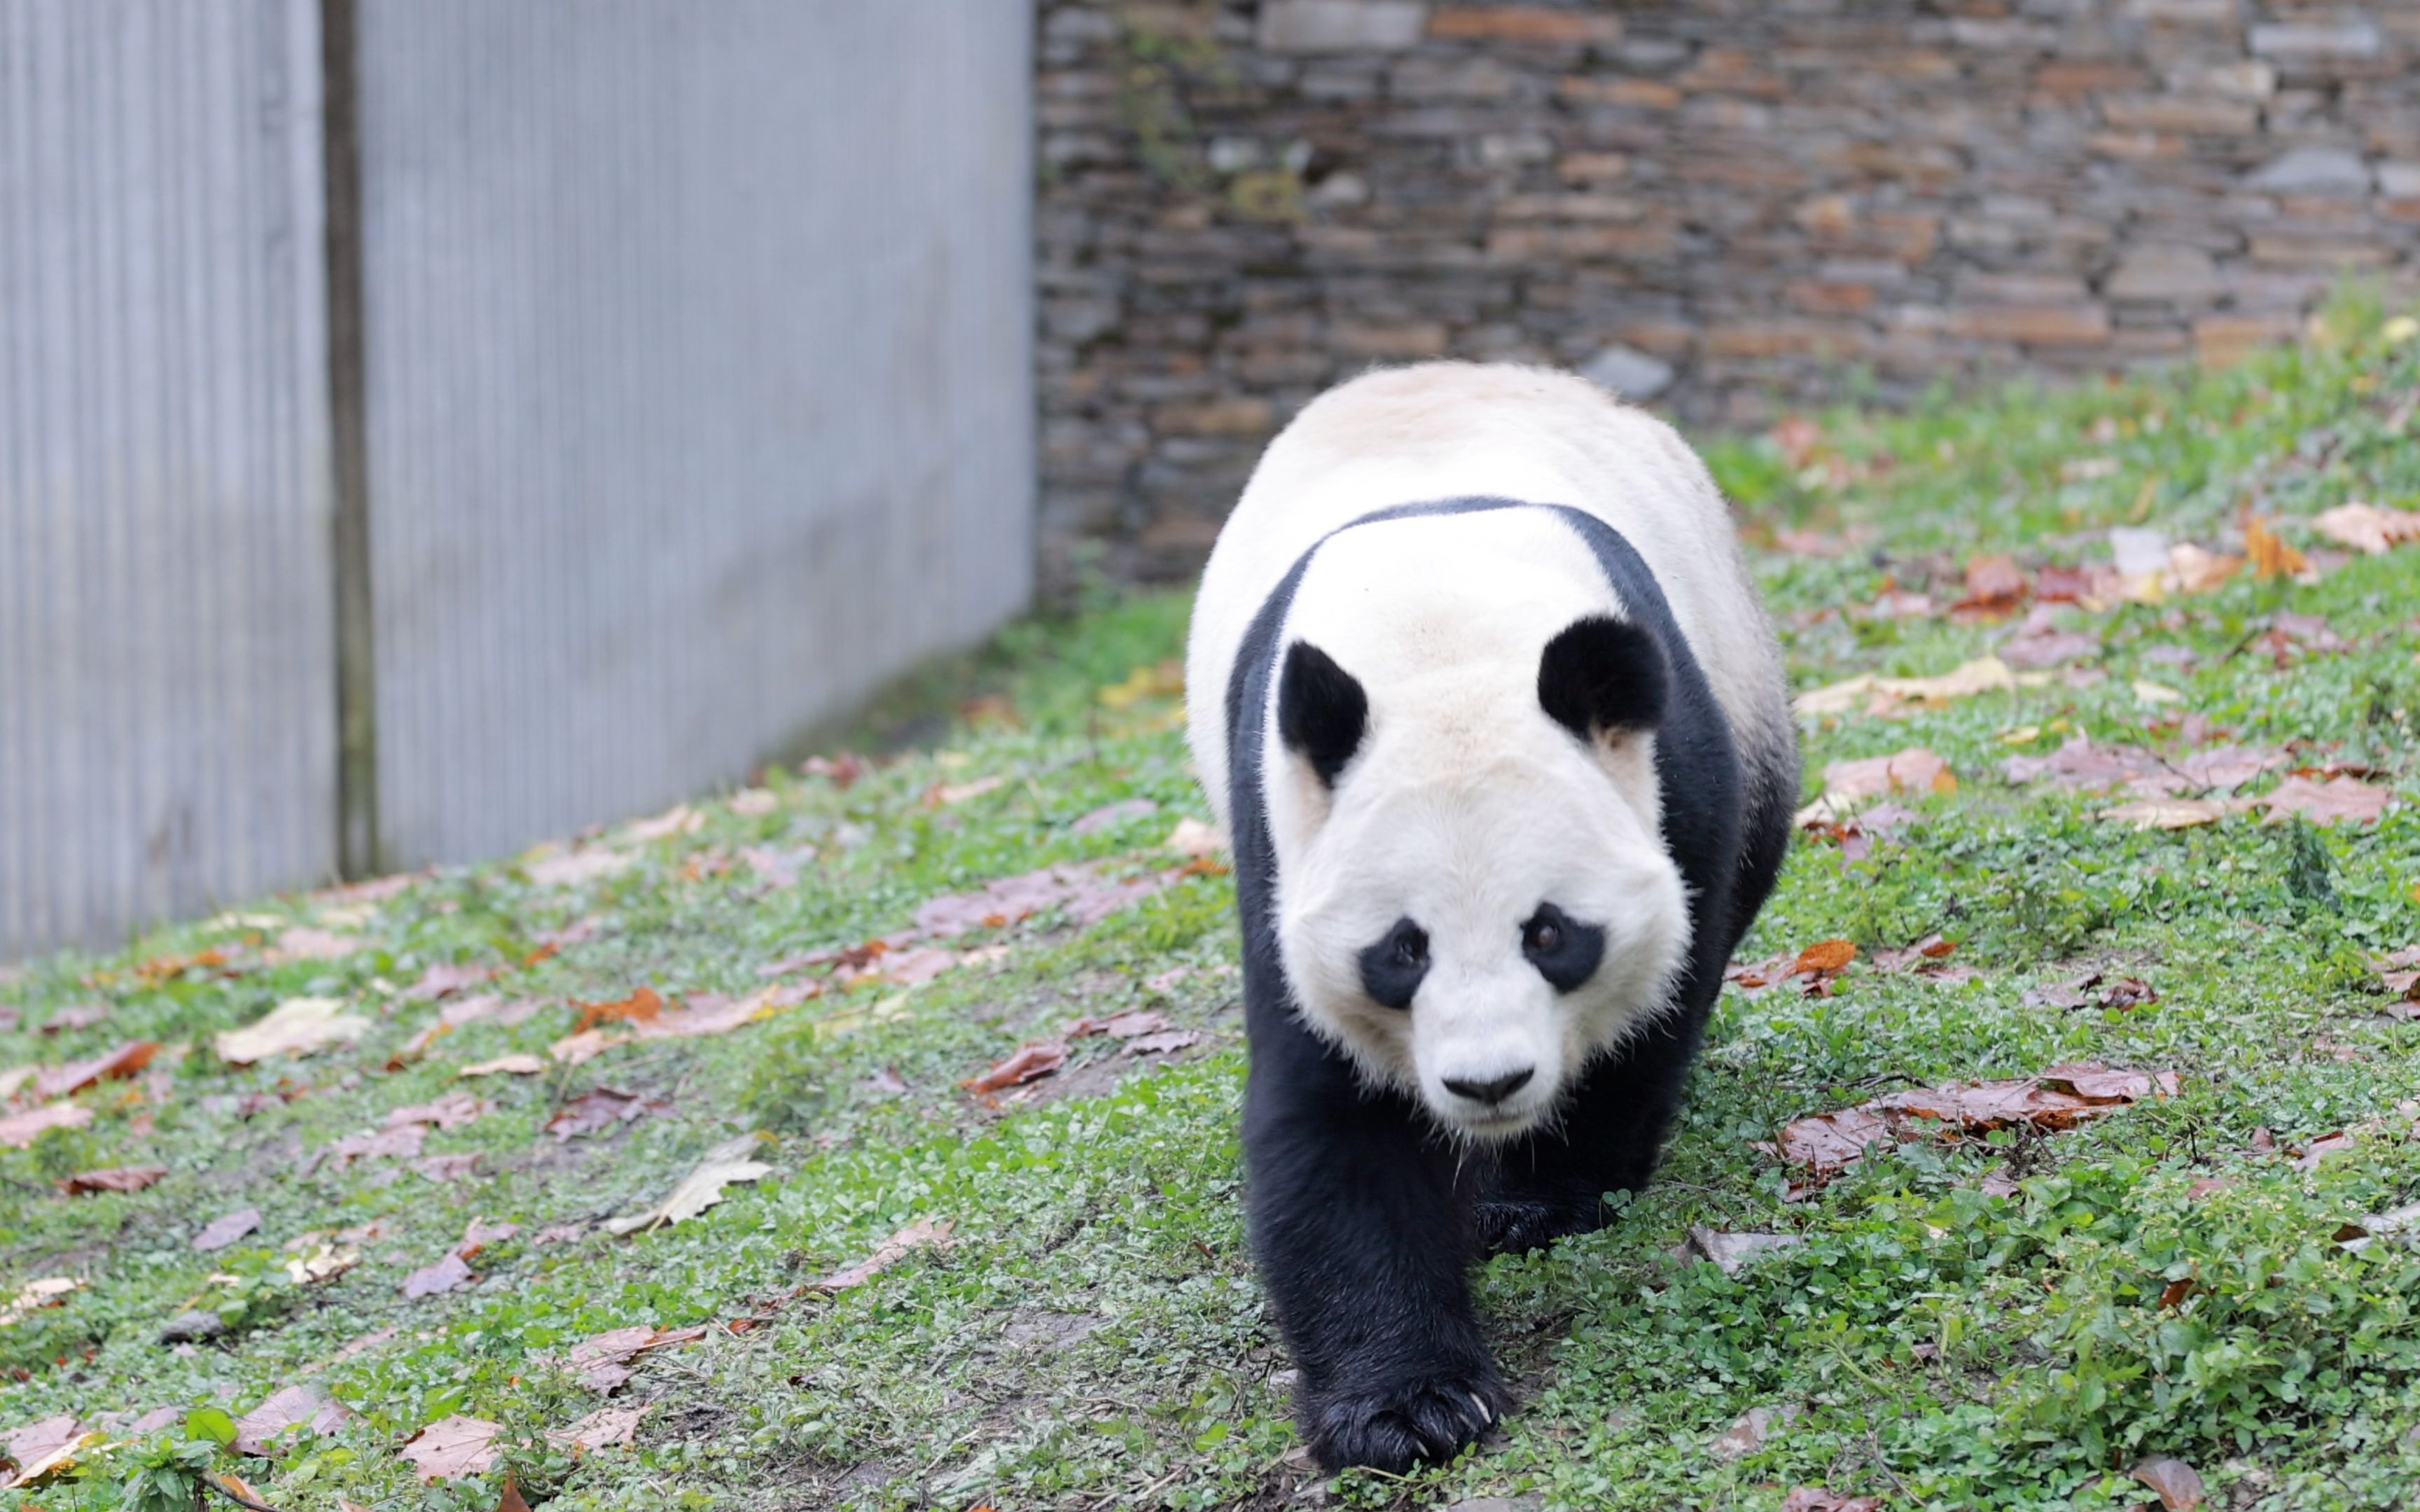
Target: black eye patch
(1392, 968)
(1565, 951)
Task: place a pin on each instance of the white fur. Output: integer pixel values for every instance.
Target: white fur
(1467, 806)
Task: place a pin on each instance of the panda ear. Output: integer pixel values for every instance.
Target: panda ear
(1322, 712)
(1600, 676)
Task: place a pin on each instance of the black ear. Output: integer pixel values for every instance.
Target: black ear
(1322, 712)
(1602, 675)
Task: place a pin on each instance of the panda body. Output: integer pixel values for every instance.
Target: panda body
(1505, 754)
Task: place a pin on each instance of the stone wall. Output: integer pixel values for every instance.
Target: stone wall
(1726, 207)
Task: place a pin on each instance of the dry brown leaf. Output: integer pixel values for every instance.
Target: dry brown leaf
(1826, 1143)
(2177, 1483)
(514, 1065)
(680, 819)
(1754, 1429)
(1847, 785)
(1119, 1026)
(944, 794)
(573, 867)
(639, 1007)
(296, 1026)
(113, 1064)
(1111, 815)
(1166, 1043)
(1194, 839)
(220, 1232)
(601, 1108)
(2326, 803)
(42, 1450)
(400, 1142)
(75, 1016)
(579, 1049)
(1730, 1252)
(2271, 557)
(452, 1447)
(923, 1233)
(2192, 570)
(2369, 528)
(294, 1406)
(1028, 1062)
(313, 1259)
(1827, 955)
(601, 1429)
(2171, 814)
(446, 1275)
(1885, 695)
(1825, 1499)
(444, 977)
(110, 1178)
(1994, 585)
(50, 1291)
(451, 1111)
(1084, 892)
(730, 1162)
(304, 943)
(604, 1361)
(19, 1130)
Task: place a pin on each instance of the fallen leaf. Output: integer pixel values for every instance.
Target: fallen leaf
(839, 771)
(601, 1429)
(2173, 1294)
(444, 977)
(1111, 815)
(110, 1065)
(1119, 1026)
(110, 1178)
(50, 1291)
(318, 1260)
(2192, 570)
(2171, 814)
(509, 1499)
(19, 1130)
(2151, 692)
(639, 1007)
(776, 868)
(754, 803)
(45, 1449)
(2369, 528)
(731, 1161)
(921, 1234)
(680, 819)
(2271, 557)
(401, 1141)
(1824, 1499)
(1028, 1062)
(446, 1275)
(1885, 695)
(1753, 1430)
(447, 1167)
(579, 1049)
(942, 795)
(304, 943)
(297, 1027)
(2326, 803)
(1730, 1252)
(1194, 839)
(75, 1016)
(2177, 1485)
(514, 1065)
(1847, 785)
(1826, 1143)
(1994, 585)
(452, 1447)
(1167, 1042)
(601, 1109)
(1827, 955)
(2039, 641)
(573, 867)
(451, 1111)
(220, 1232)
(294, 1406)
(1084, 892)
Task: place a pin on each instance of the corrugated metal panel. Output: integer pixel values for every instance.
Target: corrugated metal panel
(166, 689)
(699, 390)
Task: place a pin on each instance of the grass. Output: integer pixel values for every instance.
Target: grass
(1093, 1335)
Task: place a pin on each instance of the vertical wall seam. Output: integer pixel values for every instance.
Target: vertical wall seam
(357, 806)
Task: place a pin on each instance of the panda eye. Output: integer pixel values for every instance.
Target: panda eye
(1394, 965)
(1411, 948)
(1565, 951)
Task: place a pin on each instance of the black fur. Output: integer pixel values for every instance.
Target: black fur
(1577, 950)
(1322, 710)
(1362, 1217)
(1393, 969)
(1603, 676)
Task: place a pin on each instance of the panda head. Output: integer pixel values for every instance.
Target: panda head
(1474, 898)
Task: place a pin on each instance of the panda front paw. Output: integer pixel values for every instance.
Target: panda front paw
(1395, 1427)
(1517, 1226)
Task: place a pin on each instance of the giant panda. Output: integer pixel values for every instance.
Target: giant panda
(1482, 691)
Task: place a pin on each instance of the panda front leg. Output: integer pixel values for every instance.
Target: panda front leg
(1362, 1241)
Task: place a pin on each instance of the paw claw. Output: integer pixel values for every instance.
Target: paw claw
(1396, 1425)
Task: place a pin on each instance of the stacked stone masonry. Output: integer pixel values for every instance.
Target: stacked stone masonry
(1724, 207)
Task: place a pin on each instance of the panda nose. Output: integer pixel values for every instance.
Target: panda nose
(1495, 1091)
